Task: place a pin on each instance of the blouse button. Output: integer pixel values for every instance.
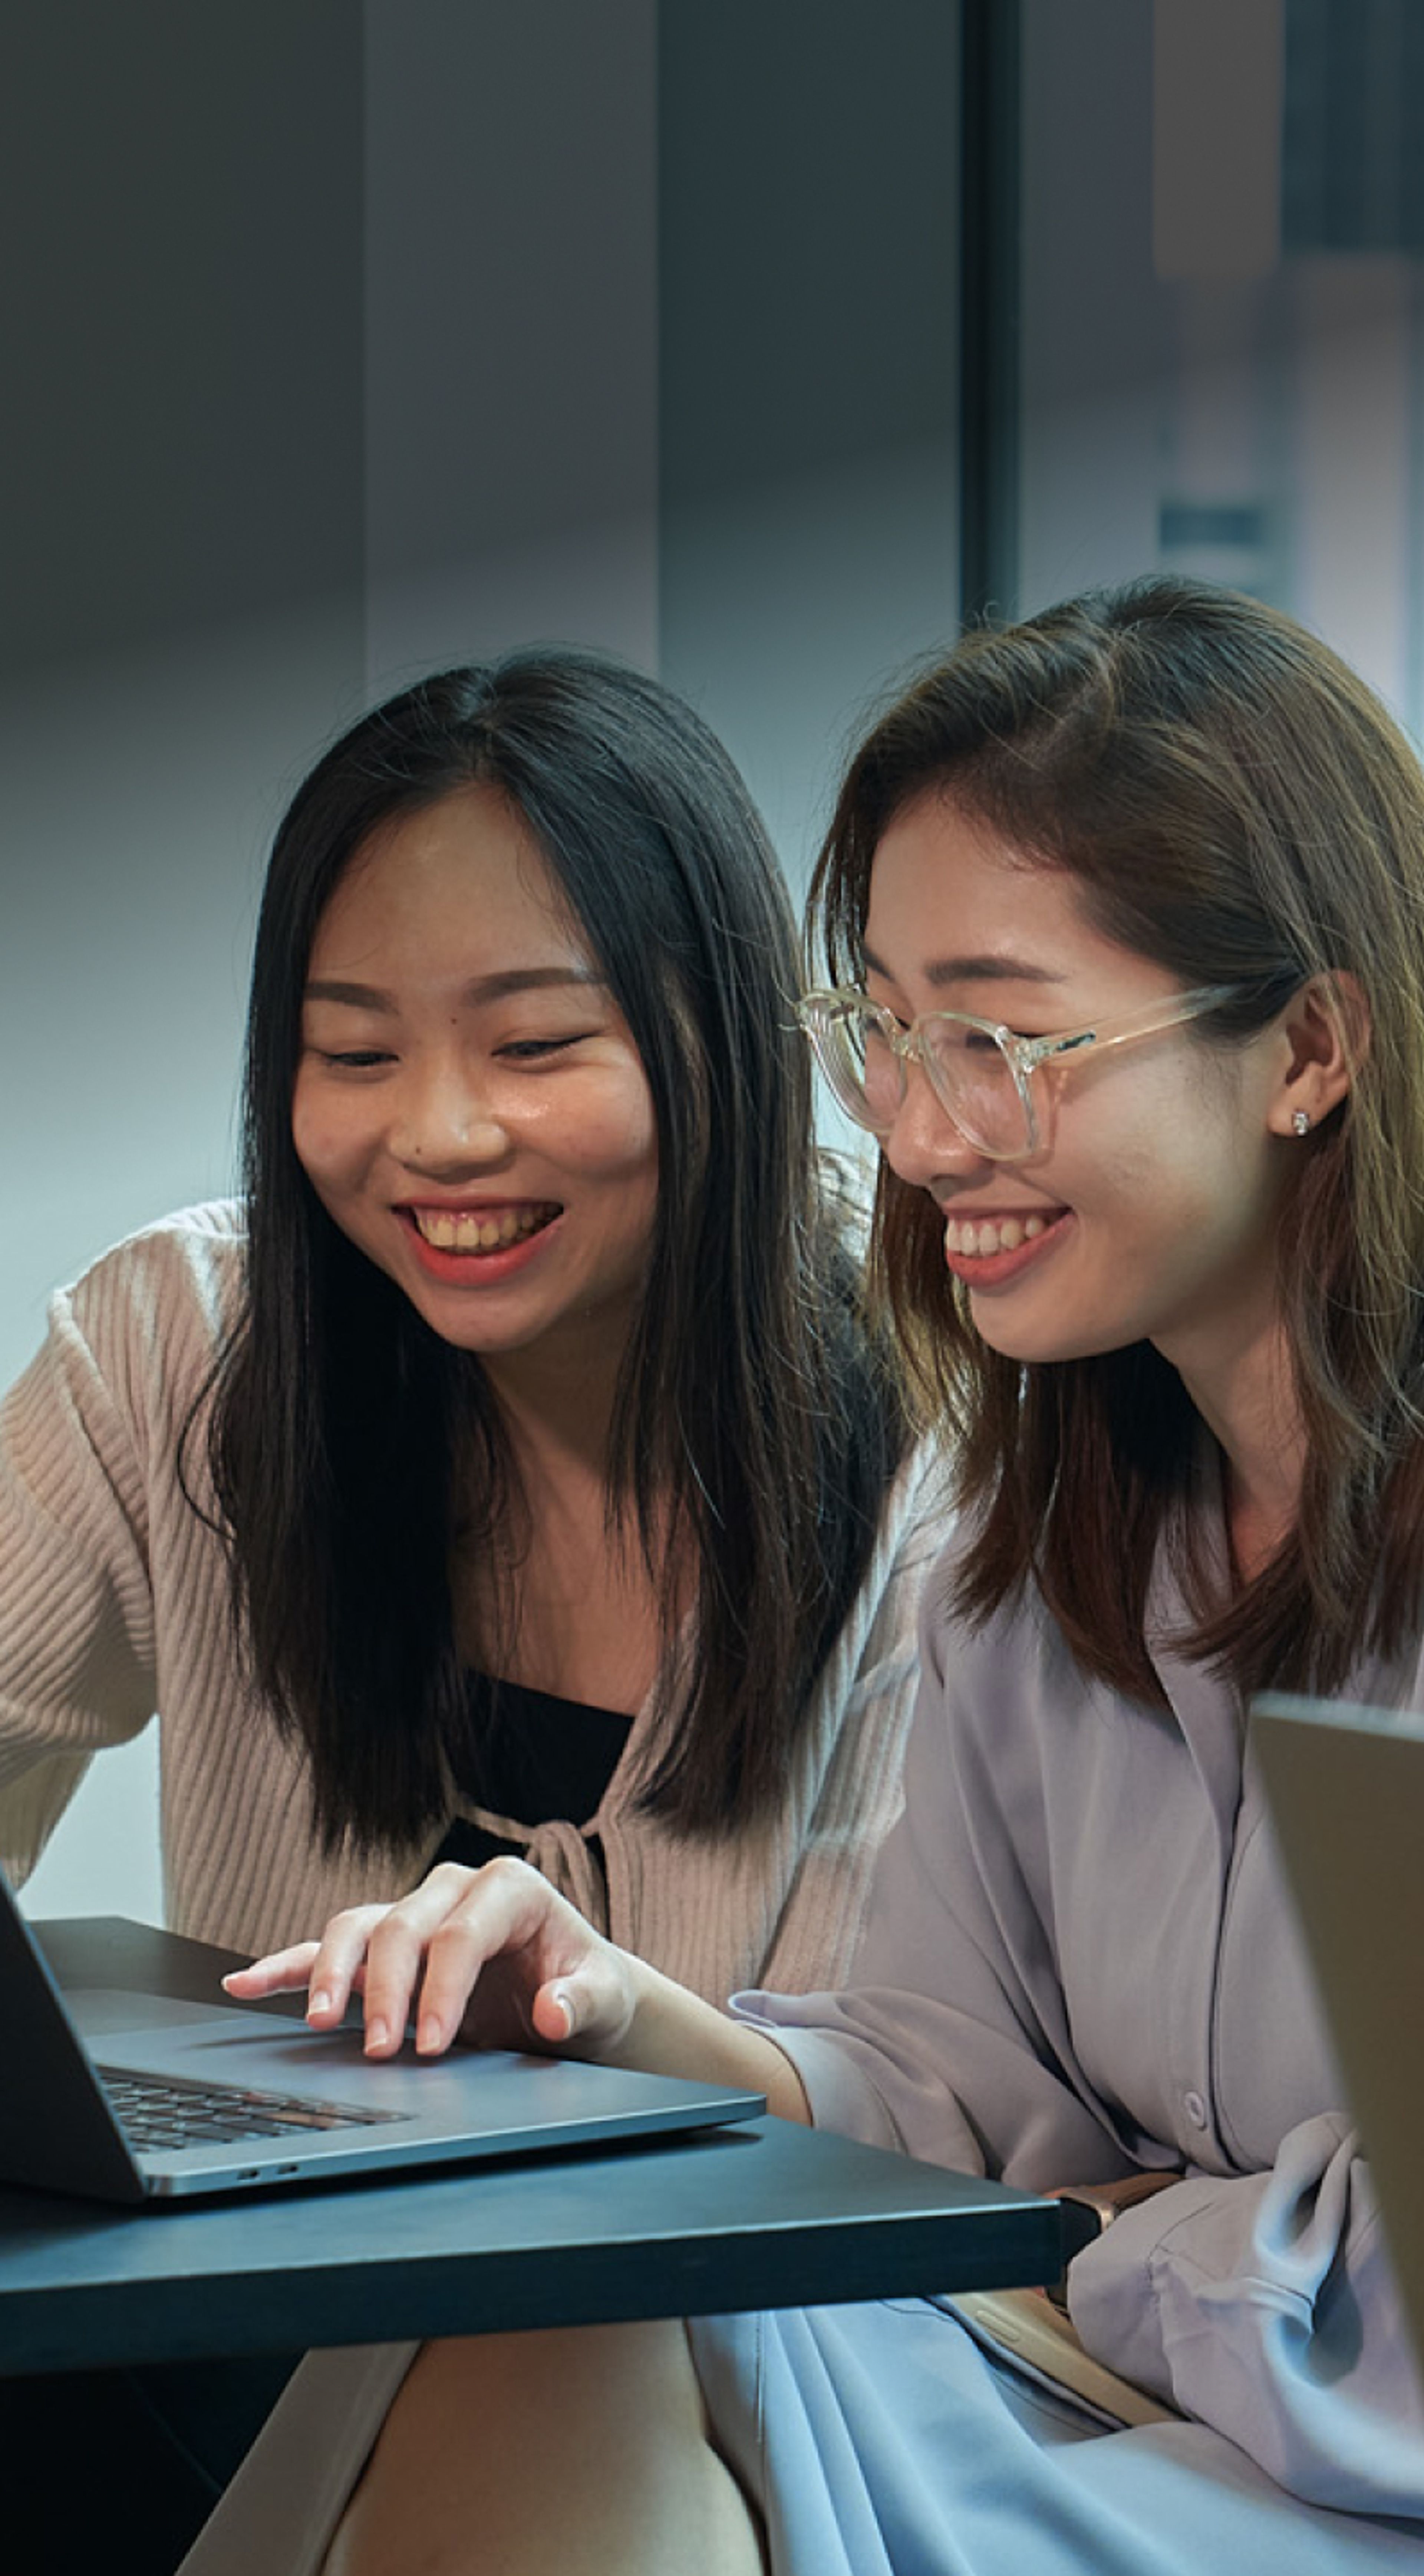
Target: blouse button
(1195, 2109)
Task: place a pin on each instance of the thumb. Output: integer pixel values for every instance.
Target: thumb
(582, 2003)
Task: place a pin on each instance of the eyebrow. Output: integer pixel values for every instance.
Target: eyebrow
(944, 971)
(481, 988)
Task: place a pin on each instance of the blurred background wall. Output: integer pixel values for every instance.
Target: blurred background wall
(761, 343)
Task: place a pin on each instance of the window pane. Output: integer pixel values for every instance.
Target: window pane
(1222, 353)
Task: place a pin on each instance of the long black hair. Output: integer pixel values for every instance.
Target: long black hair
(758, 1418)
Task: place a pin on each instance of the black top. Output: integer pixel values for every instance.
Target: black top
(531, 1757)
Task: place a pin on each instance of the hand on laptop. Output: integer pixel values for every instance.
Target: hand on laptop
(497, 1958)
(491, 1956)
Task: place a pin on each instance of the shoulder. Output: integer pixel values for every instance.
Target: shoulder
(915, 1519)
(914, 1532)
(877, 1646)
(161, 1302)
(192, 1258)
(106, 1402)
(1012, 1725)
(922, 1505)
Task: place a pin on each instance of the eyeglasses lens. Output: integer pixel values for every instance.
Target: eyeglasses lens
(971, 1076)
(975, 1080)
(878, 1074)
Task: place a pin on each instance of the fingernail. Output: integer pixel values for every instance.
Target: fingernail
(429, 2034)
(320, 2002)
(566, 2008)
(377, 2034)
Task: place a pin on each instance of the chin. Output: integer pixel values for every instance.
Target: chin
(1045, 1349)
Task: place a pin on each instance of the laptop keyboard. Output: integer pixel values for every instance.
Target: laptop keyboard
(166, 2111)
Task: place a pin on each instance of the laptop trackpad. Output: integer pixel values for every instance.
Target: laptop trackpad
(97, 2009)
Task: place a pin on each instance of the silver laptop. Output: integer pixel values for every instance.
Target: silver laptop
(146, 2098)
(1346, 1793)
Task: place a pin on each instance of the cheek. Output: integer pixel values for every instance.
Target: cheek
(320, 1139)
(636, 1143)
(609, 1132)
(1128, 1135)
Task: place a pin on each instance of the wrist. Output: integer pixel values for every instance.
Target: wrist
(1089, 2208)
(671, 2031)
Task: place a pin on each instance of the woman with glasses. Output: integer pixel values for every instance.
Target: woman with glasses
(1122, 914)
(513, 1469)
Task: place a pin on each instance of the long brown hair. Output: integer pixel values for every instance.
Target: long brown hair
(1234, 804)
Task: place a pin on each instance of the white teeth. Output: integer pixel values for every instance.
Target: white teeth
(985, 1236)
(466, 1232)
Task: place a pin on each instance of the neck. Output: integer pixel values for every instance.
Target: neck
(565, 1600)
(1248, 1400)
(557, 1411)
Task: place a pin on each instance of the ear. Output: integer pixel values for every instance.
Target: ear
(1326, 1030)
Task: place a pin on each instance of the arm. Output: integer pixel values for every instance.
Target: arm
(954, 2041)
(1264, 2304)
(76, 1610)
(1093, 2207)
(1066, 1922)
(497, 1958)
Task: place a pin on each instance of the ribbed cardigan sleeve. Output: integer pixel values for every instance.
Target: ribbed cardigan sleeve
(77, 1647)
(114, 1599)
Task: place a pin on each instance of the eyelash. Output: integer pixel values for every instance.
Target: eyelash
(1026, 1034)
(518, 1051)
(525, 1049)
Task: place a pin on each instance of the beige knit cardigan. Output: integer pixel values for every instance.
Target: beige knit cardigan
(114, 1605)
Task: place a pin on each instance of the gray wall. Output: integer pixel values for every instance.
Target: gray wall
(180, 617)
(180, 612)
(339, 339)
(358, 340)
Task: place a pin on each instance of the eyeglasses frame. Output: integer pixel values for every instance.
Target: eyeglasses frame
(817, 1009)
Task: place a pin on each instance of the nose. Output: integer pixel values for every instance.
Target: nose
(446, 1123)
(924, 1143)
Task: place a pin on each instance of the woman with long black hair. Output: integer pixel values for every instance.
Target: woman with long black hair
(512, 1468)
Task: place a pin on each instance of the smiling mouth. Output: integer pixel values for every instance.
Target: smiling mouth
(984, 1236)
(479, 1230)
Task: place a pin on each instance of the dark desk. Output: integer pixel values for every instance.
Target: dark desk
(764, 2215)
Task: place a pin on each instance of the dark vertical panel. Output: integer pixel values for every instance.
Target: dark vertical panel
(180, 310)
(990, 179)
(809, 214)
(808, 233)
(1096, 339)
(1352, 176)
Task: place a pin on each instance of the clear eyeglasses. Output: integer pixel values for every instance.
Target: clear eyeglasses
(980, 1072)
